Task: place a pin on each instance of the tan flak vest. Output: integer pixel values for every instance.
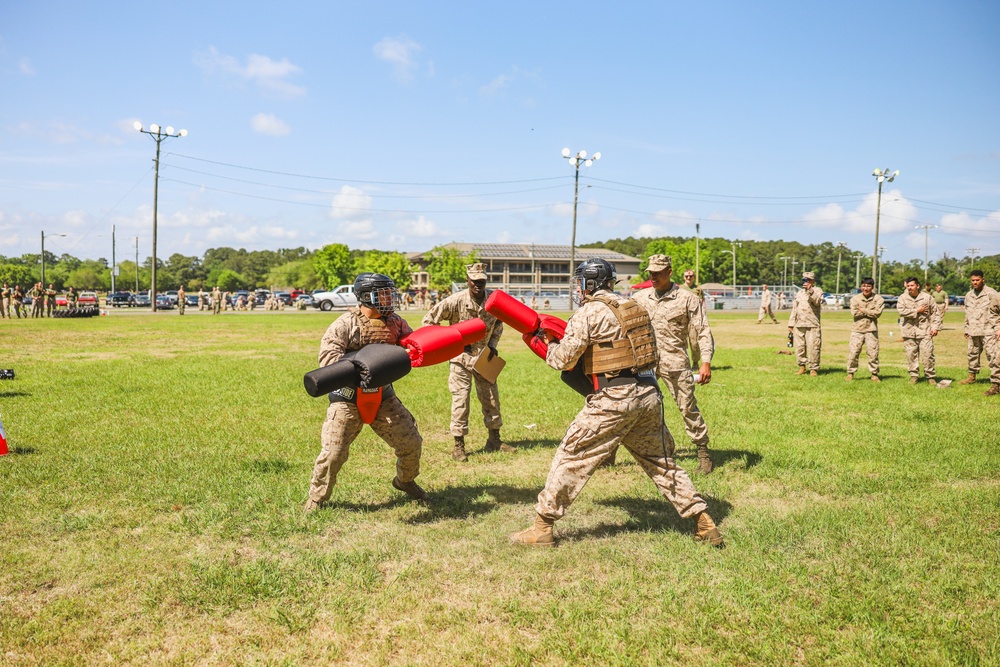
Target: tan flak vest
(635, 350)
(374, 331)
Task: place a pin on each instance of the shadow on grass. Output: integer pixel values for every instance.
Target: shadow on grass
(14, 394)
(22, 450)
(652, 514)
(519, 444)
(268, 466)
(453, 502)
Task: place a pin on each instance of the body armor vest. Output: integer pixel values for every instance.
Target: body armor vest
(635, 350)
(374, 331)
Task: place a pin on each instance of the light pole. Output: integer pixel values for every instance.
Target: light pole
(881, 175)
(697, 254)
(881, 249)
(857, 270)
(158, 135)
(136, 264)
(575, 161)
(840, 251)
(784, 276)
(926, 232)
(972, 257)
(734, 245)
(794, 262)
(43, 254)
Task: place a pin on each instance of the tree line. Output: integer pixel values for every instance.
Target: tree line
(761, 262)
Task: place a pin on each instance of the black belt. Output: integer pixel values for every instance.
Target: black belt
(625, 378)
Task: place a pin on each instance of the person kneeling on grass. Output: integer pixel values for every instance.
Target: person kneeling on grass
(373, 322)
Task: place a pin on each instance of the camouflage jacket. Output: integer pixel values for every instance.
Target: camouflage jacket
(671, 315)
(866, 312)
(806, 308)
(765, 299)
(914, 324)
(345, 334)
(982, 312)
(592, 323)
(460, 307)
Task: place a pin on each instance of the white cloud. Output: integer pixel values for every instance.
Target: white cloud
(421, 227)
(351, 204)
(401, 54)
(503, 236)
(495, 86)
(268, 123)
(357, 230)
(25, 67)
(270, 76)
(60, 132)
(649, 231)
(897, 215)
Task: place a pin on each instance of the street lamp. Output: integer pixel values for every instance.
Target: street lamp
(136, 264)
(794, 262)
(972, 257)
(881, 249)
(43, 254)
(926, 232)
(857, 269)
(784, 275)
(157, 134)
(881, 175)
(734, 245)
(840, 251)
(575, 161)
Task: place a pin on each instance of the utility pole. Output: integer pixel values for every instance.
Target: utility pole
(926, 229)
(880, 175)
(840, 248)
(857, 270)
(697, 254)
(881, 249)
(784, 275)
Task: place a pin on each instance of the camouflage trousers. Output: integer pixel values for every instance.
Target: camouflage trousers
(629, 416)
(180, 306)
(5, 308)
(765, 312)
(991, 345)
(393, 423)
(808, 341)
(680, 384)
(460, 380)
(50, 305)
(868, 340)
(36, 308)
(20, 310)
(919, 350)
(216, 307)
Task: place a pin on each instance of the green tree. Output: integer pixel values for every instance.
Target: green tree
(334, 265)
(16, 274)
(447, 266)
(393, 264)
(299, 274)
(230, 281)
(85, 278)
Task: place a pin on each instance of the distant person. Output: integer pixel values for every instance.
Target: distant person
(804, 323)
(534, 303)
(216, 300)
(5, 294)
(692, 335)
(71, 298)
(546, 304)
(50, 300)
(982, 330)
(765, 306)
(919, 326)
(940, 301)
(181, 300)
(251, 300)
(18, 297)
(866, 308)
(37, 300)
(201, 299)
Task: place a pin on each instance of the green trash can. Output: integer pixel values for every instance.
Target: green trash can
(718, 305)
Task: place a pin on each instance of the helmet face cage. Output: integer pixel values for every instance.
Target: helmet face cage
(378, 292)
(590, 276)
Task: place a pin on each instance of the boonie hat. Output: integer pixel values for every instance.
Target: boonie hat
(659, 263)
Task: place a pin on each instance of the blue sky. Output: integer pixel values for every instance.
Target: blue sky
(402, 125)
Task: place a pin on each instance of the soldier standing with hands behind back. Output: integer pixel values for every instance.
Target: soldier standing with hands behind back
(804, 323)
(920, 323)
(866, 308)
(459, 307)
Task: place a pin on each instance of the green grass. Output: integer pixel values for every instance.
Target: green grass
(150, 512)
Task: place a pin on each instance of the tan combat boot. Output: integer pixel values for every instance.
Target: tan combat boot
(876, 378)
(813, 374)
(707, 532)
(850, 377)
(704, 460)
(494, 444)
(411, 488)
(458, 454)
(539, 535)
(932, 382)
(969, 380)
(993, 390)
(801, 371)
(311, 506)
(913, 380)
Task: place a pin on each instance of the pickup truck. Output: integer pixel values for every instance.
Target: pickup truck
(87, 299)
(341, 297)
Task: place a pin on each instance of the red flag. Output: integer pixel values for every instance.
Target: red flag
(3, 440)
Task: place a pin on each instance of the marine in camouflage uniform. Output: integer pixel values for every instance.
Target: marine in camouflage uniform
(673, 312)
(216, 301)
(37, 300)
(692, 334)
(50, 300)
(17, 296)
(940, 301)
(804, 323)
(765, 306)
(5, 295)
(613, 336)
(393, 423)
(459, 307)
(982, 330)
(181, 300)
(866, 308)
(920, 323)
(71, 298)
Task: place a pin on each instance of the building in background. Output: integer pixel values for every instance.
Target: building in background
(524, 269)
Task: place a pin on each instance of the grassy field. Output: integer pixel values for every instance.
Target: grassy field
(150, 512)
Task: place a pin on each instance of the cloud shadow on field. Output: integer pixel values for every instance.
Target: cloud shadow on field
(649, 514)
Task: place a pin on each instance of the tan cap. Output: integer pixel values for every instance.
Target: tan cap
(476, 271)
(809, 275)
(659, 263)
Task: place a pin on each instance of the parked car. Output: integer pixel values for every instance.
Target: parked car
(120, 299)
(172, 295)
(341, 297)
(308, 298)
(141, 300)
(191, 300)
(295, 294)
(890, 300)
(87, 299)
(284, 297)
(164, 302)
